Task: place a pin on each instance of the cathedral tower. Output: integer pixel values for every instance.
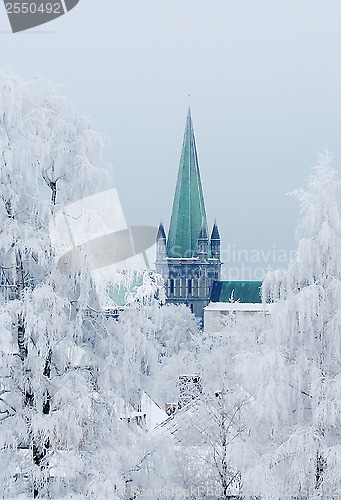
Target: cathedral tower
(188, 260)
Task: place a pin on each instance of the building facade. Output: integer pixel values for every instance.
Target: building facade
(188, 259)
(233, 301)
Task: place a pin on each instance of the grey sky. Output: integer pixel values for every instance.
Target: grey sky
(265, 84)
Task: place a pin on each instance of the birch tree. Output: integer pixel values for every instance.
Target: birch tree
(294, 373)
(48, 159)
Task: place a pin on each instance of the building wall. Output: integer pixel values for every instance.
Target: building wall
(189, 281)
(219, 315)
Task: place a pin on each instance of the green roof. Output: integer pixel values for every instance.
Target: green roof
(188, 212)
(118, 291)
(246, 292)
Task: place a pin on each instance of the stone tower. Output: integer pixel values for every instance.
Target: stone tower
(188, 260)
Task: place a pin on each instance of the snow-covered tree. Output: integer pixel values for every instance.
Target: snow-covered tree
(215, 447)
(48, 156)
(294, 373)
(212, 438)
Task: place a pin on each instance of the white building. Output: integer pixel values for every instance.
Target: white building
(233, 299)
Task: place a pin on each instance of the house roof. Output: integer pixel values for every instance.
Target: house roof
(188, 213)
(196, 422)
(246, 292)
(184, 425)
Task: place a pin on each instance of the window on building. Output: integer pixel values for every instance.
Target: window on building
(171, 286)
(189, 286)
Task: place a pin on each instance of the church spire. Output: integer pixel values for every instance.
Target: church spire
(188, 214)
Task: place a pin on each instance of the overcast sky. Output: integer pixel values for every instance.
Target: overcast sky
(265, 84)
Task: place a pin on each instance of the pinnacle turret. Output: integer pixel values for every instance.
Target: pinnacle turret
(215, 242)
(161, 234)
(202, 244)
(161, 242)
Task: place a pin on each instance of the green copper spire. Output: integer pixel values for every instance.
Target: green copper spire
(188, 212)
